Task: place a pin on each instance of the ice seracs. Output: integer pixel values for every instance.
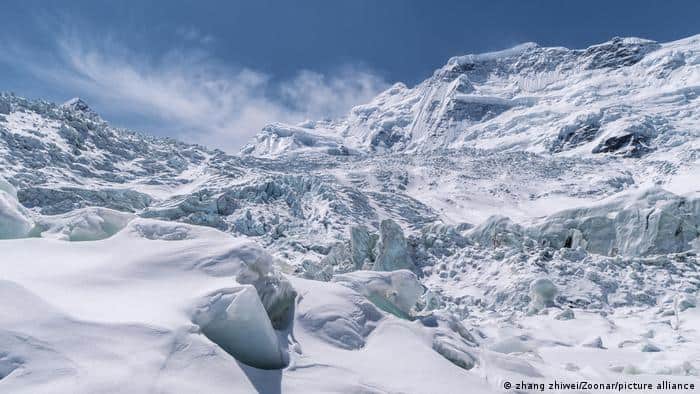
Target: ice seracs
(542, 293)
(392, 248)
(652, 221)
(15, 220)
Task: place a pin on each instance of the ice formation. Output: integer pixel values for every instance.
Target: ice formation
(15, 220)
(393, 253)
(236, 320)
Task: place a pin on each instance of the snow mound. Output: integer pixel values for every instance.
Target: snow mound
(160, 230)
(87, 224)
(575, 165)
(342, 317)
(396, 292)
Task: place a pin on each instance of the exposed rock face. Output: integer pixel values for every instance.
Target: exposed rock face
(393, 249)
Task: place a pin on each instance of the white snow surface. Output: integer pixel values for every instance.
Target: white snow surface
(540, 208)
(116, 315)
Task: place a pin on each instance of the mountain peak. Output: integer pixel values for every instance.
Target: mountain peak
(481, 57)
(77, 104)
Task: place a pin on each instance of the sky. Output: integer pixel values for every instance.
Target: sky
(215, 72)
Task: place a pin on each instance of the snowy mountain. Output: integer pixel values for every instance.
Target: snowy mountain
(465, 232)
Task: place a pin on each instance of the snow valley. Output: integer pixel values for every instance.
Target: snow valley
(529, 215)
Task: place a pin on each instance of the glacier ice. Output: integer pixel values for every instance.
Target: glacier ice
(596, 343)
(15, 220)
(686, 301)
(392, 248)
(362, 243)
(566, 314)
(236, 320)
(652, 221)
(7, 187)
(542, 293)
(160, 230)
(455, 352)
(52, 201)
(249, 266)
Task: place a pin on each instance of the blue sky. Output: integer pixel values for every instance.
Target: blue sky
(215, 72)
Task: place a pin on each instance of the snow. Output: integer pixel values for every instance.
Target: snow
(105, 315)
(525, 215)
(6, 187)
(87, 224)
(470, 59)
(396, 292)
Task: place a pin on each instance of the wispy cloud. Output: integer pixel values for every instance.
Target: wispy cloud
(190, 33)
(189, 94)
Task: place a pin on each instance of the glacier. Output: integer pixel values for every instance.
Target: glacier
(518, 215)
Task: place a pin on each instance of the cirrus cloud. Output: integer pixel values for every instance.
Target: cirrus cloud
(188, 94)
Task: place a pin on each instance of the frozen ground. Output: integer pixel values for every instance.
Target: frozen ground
(528, 215)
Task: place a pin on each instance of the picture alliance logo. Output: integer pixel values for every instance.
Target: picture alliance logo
(556, 385)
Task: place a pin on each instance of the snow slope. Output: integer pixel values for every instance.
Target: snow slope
(116, 315)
